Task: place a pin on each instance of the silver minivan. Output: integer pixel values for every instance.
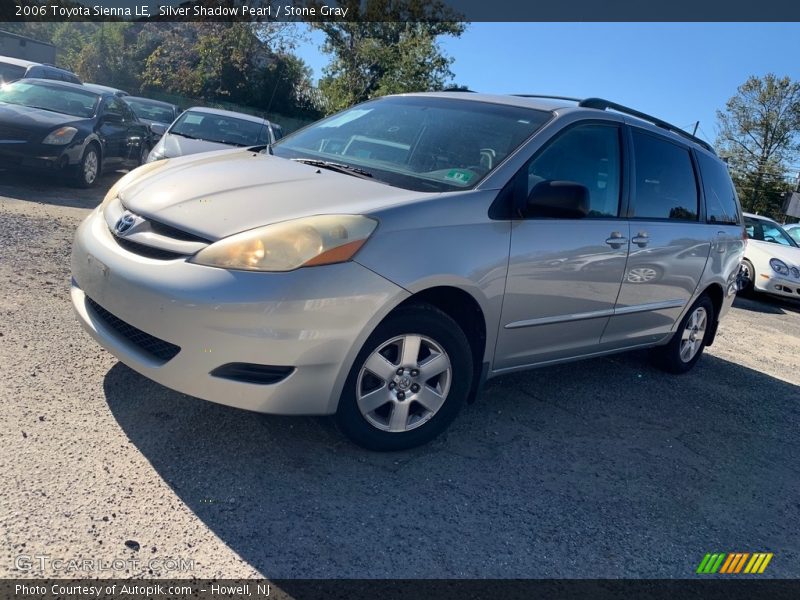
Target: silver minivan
(381, 264)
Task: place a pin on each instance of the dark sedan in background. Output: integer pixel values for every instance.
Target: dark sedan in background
(66, 128)
(154, 113)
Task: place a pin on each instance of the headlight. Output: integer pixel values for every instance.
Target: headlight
(779, 266)
(60, 137)
(318, 240)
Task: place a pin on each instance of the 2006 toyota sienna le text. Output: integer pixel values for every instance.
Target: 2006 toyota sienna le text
(381, 264)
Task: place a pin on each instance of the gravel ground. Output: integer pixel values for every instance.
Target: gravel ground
(606, 468)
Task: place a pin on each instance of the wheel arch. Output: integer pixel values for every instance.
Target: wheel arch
(466, 311)
(717, 295)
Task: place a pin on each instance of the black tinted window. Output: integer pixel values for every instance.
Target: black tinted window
(721, 204)
(665, 182)
(589, 155)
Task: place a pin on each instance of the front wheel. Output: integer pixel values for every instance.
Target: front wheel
(747, 276)
(686, 346)
(409, 381)
(89, 167)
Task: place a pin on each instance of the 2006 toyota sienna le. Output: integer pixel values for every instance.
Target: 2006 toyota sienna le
(381, 264)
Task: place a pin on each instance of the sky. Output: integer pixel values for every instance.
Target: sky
(679, 72)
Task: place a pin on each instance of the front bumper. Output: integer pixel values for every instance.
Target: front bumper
(780, 286)
(314, 320)
(40, 157)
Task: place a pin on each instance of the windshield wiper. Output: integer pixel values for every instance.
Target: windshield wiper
(188, 137)
(333, 166)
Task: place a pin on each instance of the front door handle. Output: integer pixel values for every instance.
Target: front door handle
(616, 240)
(641, 239)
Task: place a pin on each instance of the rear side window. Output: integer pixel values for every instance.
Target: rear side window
(586, 154)
(666, 187)
(9, 73)
(721, 203)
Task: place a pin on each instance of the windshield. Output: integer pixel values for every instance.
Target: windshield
(55, 98)
(418, 143)
(151, 112)
(794, 233)
(767, 231)
(9, 73)
(221, 129)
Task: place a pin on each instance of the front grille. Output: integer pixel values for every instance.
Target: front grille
(14, 133)
(147, 251)
(174, 233)
(149, 344)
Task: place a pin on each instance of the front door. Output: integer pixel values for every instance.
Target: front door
(565, 273)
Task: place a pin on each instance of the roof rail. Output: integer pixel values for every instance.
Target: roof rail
(601, 104)
(547, 97)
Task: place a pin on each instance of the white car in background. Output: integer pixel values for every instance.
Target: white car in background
(200, 129)
(771, 261)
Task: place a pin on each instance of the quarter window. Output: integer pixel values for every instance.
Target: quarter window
(586, 154)
(666, 187)
(721, 203)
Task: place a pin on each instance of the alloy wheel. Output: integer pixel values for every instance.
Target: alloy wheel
(693, 334)
(403, 383)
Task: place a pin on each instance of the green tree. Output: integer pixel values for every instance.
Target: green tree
(758, 135)
(391, 46)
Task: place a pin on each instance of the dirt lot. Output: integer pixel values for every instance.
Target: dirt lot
(606, 468)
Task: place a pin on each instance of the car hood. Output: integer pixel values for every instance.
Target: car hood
(172, 146)
(221, 193)
(787, 254)
(34, 119)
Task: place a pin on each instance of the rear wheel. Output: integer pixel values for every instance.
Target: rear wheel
(409, 381)
(686, 346)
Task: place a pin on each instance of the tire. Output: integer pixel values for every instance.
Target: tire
(143, 154)
(406, 410)
(89, 168)
(686, 346)
(749, 272)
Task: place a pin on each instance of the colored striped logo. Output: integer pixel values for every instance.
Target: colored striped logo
(734, 563)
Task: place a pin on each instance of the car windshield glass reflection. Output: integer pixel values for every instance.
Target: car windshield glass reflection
(60, 99)
(220, 129)
(419, 143)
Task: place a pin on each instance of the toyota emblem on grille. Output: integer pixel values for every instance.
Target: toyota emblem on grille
(124, 223)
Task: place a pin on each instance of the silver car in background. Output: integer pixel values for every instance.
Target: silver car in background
(200, 129)
(383, 263)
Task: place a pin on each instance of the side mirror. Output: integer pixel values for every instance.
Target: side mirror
(158, 128)
(558, 199)
(111, 117)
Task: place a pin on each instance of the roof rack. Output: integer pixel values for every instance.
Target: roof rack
(547, 97)
(601, 104)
